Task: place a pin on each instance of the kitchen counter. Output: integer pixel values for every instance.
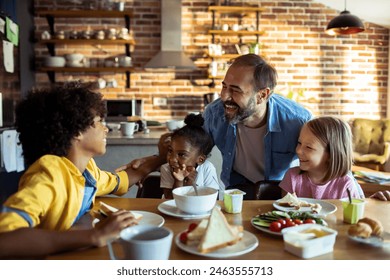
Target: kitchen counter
(139, 138)
(121, 150)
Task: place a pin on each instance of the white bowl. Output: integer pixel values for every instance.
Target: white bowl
(174, 124)
(74, 57)
(113, 126)
(187, 201)
(307, 245)
(54, 61)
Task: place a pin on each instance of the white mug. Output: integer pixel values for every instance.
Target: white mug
(144, 242)
(128, 128)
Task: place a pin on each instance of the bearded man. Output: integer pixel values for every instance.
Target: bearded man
(255, 129)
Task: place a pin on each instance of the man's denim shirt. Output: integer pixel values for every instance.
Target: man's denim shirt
(284, 121)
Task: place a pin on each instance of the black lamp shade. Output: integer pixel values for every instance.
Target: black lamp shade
(345, 23)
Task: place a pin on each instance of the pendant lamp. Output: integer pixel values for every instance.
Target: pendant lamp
(345, 23)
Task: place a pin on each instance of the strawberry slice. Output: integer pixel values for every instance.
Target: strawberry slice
(192, 226)
(183, 237)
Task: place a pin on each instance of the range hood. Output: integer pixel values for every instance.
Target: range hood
(171, 54)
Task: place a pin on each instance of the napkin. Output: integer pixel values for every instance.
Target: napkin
(11, 152)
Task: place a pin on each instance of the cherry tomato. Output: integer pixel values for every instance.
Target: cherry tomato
(290, 223)
(282, 222)
(309, 221)
(275, 226)
(298, 221)
(288, 220)
(192, 226)
(183, 237)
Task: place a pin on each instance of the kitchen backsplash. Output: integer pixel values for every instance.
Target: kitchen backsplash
(328, 75)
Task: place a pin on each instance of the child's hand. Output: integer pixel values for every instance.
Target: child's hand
(110, 227)
(191, 177)
(180, 173)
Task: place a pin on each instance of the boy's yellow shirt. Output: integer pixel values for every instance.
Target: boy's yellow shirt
(51, 193)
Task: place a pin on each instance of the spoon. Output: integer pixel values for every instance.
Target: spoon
(196, 189)
(349, 195)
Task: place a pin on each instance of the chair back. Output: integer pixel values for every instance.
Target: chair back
(262, 190)
(150, 187)
(369, 136)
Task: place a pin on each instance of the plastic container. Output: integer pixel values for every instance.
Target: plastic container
(232, 200)
(309, 240)
(353, 212)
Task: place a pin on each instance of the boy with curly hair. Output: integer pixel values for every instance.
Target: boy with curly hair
(61, 130)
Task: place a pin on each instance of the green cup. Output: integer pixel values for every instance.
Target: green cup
(353, 212)
(232, 200)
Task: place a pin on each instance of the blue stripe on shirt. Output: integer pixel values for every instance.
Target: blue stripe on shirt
(23, 214)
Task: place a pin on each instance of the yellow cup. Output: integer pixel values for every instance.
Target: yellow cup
(353, 212)
(232, 200)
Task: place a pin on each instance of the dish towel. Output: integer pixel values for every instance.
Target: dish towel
(11, 152)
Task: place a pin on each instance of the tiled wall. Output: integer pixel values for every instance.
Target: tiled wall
(344, 76)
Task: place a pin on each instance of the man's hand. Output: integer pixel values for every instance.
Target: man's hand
(163, 143)
(134, 164)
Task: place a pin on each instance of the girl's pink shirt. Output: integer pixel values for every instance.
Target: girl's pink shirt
(300, 183)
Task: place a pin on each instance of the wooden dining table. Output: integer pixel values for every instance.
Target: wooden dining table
(270, 247)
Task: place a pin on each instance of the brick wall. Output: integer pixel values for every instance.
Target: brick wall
(343, 76)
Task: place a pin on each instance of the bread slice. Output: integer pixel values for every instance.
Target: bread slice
(289, 200)
(195, 235)
(218, 233)
(105, 210)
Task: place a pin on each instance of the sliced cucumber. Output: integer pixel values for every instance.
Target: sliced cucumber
(281, 214)
(261, 223)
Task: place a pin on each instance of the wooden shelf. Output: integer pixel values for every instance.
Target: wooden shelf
(87, 69)
(88, 41)
(52, 70)
(237, 33)
(51, 15)
(83, 13)
(237, 13)
(224, 56)
(234, 9)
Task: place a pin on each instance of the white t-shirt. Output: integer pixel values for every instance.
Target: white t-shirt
(207, 176)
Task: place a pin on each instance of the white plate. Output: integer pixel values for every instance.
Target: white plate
(248, 243)
(148, 218)
(265, 229)
(372, 241)
(169, 207)
(327, 208)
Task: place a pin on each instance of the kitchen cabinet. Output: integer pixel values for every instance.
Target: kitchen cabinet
(51, 44)
(232, 27)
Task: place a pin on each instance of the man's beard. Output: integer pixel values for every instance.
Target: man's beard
(242, 113)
